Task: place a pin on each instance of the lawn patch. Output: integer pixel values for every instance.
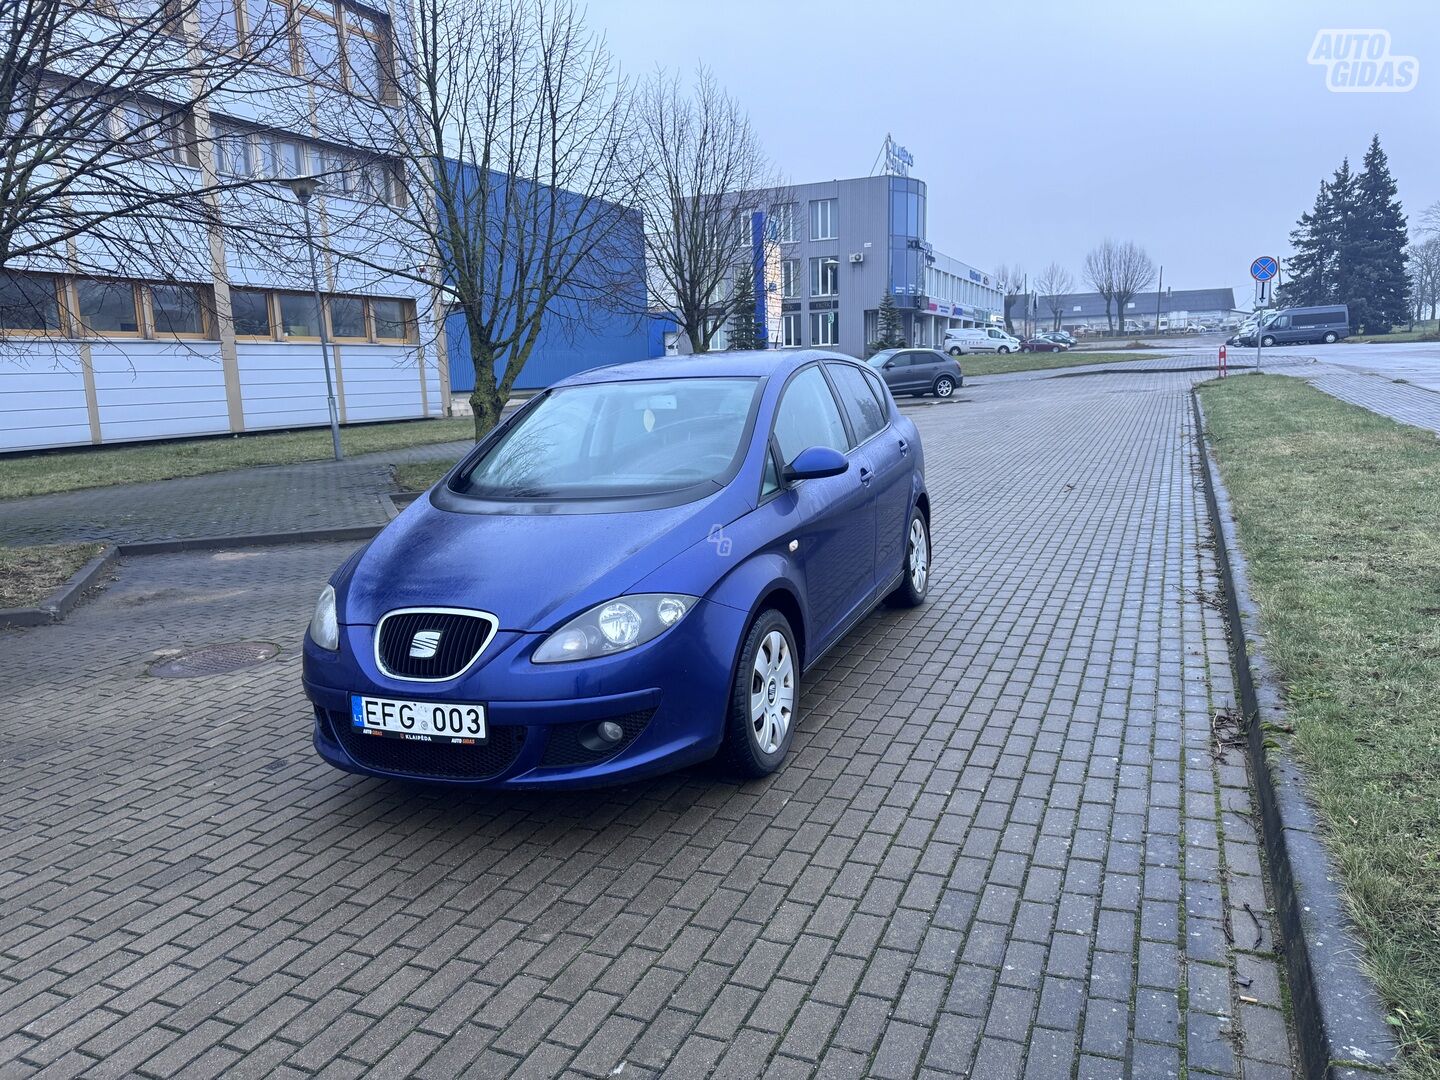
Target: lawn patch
(419, 475)
(996, 364)
(29, 574)
(70, 470)
(1338, 513)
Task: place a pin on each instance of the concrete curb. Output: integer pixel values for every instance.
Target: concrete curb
(59, 603)
(1339, 1015)
(215, 543)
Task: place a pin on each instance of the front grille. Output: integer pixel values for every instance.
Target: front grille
(565, 748)
(435, 761)
(461, 636)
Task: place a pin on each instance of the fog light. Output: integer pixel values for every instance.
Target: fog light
(611, 731)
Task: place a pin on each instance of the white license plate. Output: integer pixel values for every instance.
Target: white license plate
(418, 721)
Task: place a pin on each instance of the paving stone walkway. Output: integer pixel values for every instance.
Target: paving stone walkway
(1010, 841)
(1399, 401)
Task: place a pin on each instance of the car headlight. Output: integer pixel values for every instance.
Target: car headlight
(324, 626)
(614, 626)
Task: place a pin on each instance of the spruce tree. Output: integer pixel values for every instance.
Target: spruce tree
(1374, 252)
(1310, 270)
(889, 330)
(744, 329)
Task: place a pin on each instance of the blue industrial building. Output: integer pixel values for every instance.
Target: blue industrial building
(601, 322)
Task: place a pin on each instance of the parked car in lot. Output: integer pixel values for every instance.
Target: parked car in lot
(918, 371)
(1299, 326)
(979, 339)
(1043, 343)
(631, 573)
(1062, 336)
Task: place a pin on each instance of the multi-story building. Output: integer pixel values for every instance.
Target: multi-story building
(228, 338)
(842, 245)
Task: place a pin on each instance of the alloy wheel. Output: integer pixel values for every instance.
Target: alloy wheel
(919, 561)
(772, 691)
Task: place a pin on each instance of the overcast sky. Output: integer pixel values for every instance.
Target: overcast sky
(1197, 129)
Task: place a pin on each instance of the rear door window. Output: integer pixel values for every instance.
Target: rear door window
(866, 416)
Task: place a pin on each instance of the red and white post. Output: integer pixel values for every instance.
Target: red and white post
(1222, 363)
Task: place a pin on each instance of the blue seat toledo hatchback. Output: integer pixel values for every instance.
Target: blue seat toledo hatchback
(631, 573)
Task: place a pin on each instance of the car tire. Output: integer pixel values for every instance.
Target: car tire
(767, 674)
(1003, 350)
(911, 592)
(944, 386)
(1267, 342)
(955, 350)
(1331, 337)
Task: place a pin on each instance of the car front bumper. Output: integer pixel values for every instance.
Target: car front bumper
(669, 697)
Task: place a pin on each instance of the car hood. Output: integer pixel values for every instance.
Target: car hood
(530, 570)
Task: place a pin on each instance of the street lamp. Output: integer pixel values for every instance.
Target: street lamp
(303, 187)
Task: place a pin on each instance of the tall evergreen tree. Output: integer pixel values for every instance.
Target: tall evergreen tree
(744, 330)
(1310, 270)
(889, 330)
(1373, 251)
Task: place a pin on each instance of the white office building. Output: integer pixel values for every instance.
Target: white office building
(226, 338)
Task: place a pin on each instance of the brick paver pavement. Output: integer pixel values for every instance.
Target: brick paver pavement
(1006, 842)
(1399, 401)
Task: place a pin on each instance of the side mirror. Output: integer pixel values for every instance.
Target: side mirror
(888, 364)
(815, 462)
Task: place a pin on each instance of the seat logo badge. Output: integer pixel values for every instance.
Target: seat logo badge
(424, 644)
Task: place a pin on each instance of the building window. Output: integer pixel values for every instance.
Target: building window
(219, 23)
(177, 310)
(298, 317)
(785, 223)
(107, 307)
(824, 328)
(790, 331)
(28, 302)
(250, 312)
(267, 35)
(347, 318)
(235, 150)
(318, 38)
(822, 219)
(394, 320)
(151, 129)
(825, 276)
(790, 278)
(367, 52)
(285, 157)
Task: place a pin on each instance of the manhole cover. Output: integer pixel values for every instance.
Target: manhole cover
(214, 659)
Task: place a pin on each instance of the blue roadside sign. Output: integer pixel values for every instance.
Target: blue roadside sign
(1264, 268)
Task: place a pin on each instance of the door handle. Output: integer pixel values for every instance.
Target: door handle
(865, 475)
(904, 448)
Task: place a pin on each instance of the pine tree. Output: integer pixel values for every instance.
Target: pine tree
(889, 331)
(744, 330)
(1374, 250)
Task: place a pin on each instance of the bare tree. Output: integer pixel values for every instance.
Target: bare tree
(1012, 282)
(513, 130)
(1100, 274)
(1430, 219)
(1134, 272)
(700, 175)
(105, 109)
(1052, 284)
(1424, 268)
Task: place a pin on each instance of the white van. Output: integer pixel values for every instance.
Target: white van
(978, 339)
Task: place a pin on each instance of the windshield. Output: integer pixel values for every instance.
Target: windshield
(878, 360)
(1268, 319)
(618, 439)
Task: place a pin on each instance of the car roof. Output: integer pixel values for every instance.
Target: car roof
(707, 365)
